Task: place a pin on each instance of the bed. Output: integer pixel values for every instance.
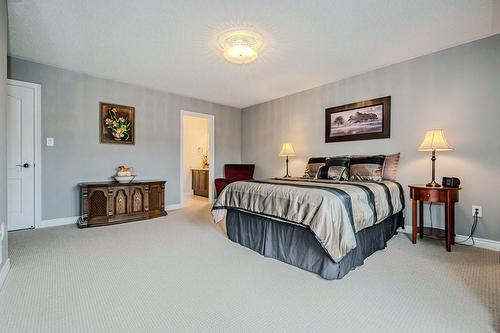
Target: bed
(323, 226)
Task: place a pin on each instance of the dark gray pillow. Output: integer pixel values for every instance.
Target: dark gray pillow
(332, 172)
(339, 161)
(313, 166)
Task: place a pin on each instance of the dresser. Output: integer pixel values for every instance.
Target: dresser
(105, 203)
(200, 182)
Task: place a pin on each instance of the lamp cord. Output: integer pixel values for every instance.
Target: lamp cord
(430, 214)
(472, 230)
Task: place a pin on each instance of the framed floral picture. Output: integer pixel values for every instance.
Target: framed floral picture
(117, 123)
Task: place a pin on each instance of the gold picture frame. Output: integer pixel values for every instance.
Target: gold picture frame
(117, 123)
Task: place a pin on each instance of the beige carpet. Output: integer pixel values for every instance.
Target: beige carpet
(180, 273)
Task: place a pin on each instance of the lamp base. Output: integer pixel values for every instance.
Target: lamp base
(287, 175)
(433, 184)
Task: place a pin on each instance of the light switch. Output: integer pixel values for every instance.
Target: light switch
(50, 142)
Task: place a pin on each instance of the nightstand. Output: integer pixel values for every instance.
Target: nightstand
(447, 195)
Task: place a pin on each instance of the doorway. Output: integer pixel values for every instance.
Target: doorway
(23, 154)
(197, 156)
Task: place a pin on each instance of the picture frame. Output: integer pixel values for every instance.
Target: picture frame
(365, 120)
(116, 123)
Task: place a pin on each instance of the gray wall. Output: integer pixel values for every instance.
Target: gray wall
(70, 114)
(457, 89)
(3, 104)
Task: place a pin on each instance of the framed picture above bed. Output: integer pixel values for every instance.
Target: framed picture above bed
(363, 120)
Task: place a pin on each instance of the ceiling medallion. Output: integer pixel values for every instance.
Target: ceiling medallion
(240, 46)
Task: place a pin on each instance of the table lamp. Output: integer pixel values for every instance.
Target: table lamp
(287, 150)
(434, 141)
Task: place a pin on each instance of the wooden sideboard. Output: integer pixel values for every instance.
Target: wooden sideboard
(200, 182)
(104, 203)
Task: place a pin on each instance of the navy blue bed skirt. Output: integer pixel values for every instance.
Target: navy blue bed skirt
(297, 245)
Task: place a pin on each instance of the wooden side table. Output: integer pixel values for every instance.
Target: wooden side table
(446, 195)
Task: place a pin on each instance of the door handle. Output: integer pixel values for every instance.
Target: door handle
(25, 165)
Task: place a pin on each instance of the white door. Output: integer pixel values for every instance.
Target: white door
(20, 157)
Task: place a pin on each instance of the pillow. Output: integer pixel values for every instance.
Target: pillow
(313, 166)
(339, 161)
(390, 168)
(366, 167)
(333, 172)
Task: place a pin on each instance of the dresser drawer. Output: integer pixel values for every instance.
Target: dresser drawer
(428, 195)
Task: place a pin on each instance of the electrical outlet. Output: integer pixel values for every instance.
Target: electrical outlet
(479, 211)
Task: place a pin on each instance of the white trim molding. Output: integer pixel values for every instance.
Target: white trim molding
(38, 144)
(478, 242)
(174, 206)
(4, 271)
(73, 219)
(57, 222)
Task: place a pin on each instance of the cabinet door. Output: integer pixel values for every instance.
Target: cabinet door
(200, 182)
(121, 200)
(96, 205)
(155, 197)
(202, 185)
(138, 198)
(195, 180)
(204, 182)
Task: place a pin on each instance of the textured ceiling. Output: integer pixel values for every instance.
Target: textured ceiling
(171, 45)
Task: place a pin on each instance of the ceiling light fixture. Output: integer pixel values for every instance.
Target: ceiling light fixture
(240, 46)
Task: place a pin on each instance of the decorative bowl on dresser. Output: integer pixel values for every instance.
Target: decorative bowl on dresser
(104, 203)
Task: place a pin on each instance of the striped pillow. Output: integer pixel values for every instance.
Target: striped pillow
(390, 169)
(366, 167)
(333, 172)
(313, 166)
(336, 168)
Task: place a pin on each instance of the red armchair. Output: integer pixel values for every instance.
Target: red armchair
(233, 173)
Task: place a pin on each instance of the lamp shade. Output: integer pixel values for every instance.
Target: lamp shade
(287, 150)
(435, 140)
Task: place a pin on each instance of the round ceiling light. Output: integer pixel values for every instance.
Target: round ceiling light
(240, 46)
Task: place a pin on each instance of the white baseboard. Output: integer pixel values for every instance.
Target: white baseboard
(191, 192)
(478, 242)
(4, 271)
(57, 222)
(174, 206)
(73, 219)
